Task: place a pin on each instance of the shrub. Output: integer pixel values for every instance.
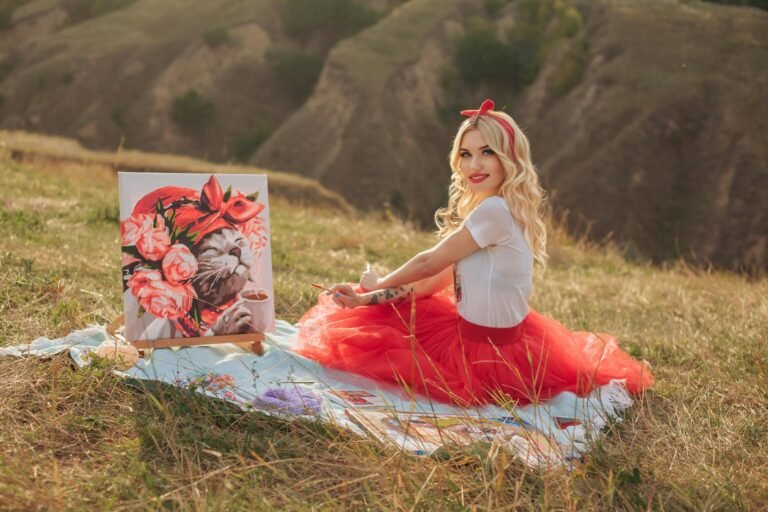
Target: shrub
(526, 42)
(492, 7)
(117, 117)
(191, 111)
(541, 26)
(80, 10)
(447, 113)
(448, 77)
(760, 4)
(5, 69)
(482, 57)
(250, 142)
(569, 70)
(571, 22)
(297, 73)
(338, 18)
(7, 8)
(217, 36)
(6, 15)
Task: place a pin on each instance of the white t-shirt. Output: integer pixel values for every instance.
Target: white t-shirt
(493, 284)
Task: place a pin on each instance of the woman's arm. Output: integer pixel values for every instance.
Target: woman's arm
(345, 295)
(431, 262)
(422, 275)
(434, 284)
(419, 289)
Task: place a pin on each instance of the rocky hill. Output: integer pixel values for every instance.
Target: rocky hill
(646, 119)
(664, 142)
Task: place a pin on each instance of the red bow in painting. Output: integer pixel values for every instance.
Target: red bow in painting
(201, 213)
(217, 210)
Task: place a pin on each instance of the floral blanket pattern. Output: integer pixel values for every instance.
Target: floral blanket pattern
(284, 383)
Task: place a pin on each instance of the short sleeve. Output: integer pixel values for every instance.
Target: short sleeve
(490, 222)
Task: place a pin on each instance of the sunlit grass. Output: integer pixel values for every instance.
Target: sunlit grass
(88, 440)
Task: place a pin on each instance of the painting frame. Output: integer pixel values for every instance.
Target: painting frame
(196, 259)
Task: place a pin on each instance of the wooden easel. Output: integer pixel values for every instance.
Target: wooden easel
(250, 341)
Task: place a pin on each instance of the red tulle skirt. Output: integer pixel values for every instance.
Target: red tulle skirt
(429, 349)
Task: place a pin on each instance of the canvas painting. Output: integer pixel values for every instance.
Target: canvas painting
(196, 255)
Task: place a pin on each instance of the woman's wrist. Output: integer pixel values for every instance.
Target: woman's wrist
(386, 295)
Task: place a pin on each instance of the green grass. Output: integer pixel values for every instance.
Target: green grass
(86, 439)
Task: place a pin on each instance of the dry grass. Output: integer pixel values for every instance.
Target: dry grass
(88, 440)
(67, 155)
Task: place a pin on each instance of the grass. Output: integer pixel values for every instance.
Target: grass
(86, 439)
(53, 152)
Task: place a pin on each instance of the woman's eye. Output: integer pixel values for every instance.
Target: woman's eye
(489, 152)
(464, 155)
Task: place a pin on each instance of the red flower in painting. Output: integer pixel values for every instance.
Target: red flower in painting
(256, 233)
(138, 225)
(141, 278)
(154, 245)
(165, 299)
(179, 264)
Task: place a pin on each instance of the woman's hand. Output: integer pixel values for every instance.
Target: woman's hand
(345, 296)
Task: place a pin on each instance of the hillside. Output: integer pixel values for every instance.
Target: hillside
(663, 143)
(660, 142)
(87, 440)
(646, 119)
(370, 128)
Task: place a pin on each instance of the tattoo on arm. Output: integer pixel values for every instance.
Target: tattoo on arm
(388, 295)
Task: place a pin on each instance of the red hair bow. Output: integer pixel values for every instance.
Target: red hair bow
(486, 108)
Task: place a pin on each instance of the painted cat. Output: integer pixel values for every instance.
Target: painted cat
(224, 260)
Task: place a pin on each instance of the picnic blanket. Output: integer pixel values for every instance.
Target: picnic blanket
(281, 382)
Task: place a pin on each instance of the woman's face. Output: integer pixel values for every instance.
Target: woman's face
(480, 166)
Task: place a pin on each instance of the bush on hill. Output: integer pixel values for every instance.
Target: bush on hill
(217, 36)
(297, 73)
(6, 13)
(570, 69)
(479, 55)
(484, 58)
(492, 7)
(760, 4)
(250, 142)
(80, 10)
(5, 69)
(338, 19)
(191, 111)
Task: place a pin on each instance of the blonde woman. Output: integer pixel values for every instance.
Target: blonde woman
(482, 343)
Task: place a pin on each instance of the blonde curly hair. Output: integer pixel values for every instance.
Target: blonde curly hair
(520, 188)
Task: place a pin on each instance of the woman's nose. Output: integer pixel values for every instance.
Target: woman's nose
(474, 163)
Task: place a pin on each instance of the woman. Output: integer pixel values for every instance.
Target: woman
(483, 343)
